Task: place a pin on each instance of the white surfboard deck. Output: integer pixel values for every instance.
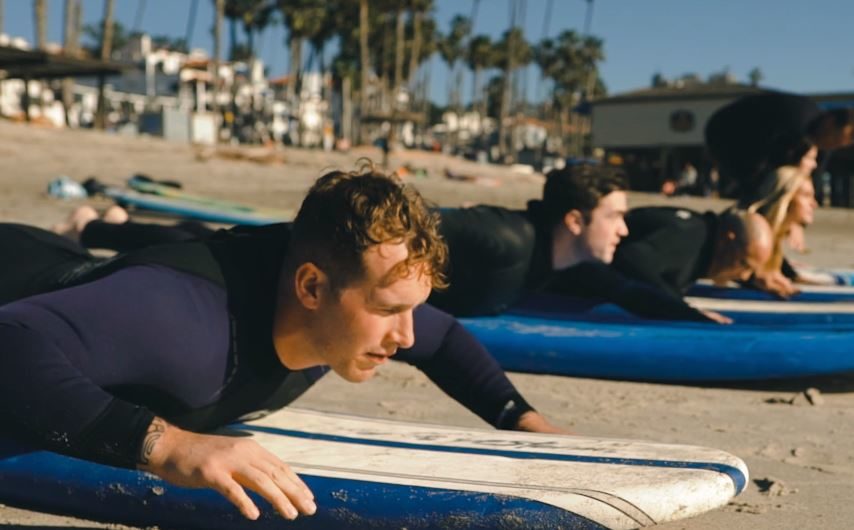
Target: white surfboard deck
(770, 306)
(806, 288)
(617, 483)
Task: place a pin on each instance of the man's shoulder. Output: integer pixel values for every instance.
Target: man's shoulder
(485, 218)
(664, 214)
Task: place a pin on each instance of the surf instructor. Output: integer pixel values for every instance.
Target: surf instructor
(140, 354)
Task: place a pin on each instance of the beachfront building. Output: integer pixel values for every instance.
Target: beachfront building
(655, 133)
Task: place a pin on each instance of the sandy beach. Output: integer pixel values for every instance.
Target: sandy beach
(800, 455)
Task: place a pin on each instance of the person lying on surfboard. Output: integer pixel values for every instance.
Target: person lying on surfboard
(671, 248)
(128, 361)
(786, 198)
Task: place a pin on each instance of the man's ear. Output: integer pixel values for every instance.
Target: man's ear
(310, 285)
(573, 220)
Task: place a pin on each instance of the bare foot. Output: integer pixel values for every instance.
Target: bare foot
(115, 215)
(76, 222)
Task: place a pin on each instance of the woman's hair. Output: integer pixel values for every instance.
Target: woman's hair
(777, 190)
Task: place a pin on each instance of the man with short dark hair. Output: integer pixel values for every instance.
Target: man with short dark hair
(138, 355)
(562, 244)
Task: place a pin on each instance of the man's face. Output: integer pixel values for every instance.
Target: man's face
(606, 228)
(365, 324)
(802, 208)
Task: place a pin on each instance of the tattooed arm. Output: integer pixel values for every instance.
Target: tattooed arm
(226, 464)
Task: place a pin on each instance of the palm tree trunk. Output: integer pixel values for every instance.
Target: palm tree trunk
(294, 83)
(295, 46)
(475, 100)
(365, 62)
(107, 42)
(414, 59)
(106, 51)
(70, 48)
(40, 13)
(232, 36)
(398, 51)
(218, 16)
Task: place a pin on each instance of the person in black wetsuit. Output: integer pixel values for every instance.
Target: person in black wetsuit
(560, 245)
(227, 328)
(672, 248)
(756, 134)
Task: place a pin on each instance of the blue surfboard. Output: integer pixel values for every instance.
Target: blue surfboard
(609, 343)
(191, 209)
(375, 474)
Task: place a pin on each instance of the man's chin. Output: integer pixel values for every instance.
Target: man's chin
(356, 375)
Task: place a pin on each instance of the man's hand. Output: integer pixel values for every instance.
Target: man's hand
(775, 283)
(533, 421)
(715, 316)
(227, 465)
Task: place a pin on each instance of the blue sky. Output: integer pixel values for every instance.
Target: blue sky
(801, 46)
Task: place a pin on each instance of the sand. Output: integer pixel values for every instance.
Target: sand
(801, 456)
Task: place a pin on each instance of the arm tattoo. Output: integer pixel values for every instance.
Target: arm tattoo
(152, 436)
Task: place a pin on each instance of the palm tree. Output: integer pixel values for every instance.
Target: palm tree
(106, 51)
(399, 47)
(452, 49)
(755, 76)
(40, 14)
(232, 10)
(69, 45)
(257, 15)
(305, 20)
(419, 9)
(219, 14)
(480, 56)
(570, 61)
(511, 52)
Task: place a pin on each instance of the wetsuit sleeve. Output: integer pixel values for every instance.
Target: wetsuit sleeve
(641, 261)
(600, 281)
(47, 401)
(453, 359)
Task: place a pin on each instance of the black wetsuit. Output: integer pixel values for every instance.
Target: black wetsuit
(498, 255)
(183, 331)
(130, 235)
(670, 248)
(756, 134)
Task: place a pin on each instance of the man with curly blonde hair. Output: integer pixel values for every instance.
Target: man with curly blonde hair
(229, 328)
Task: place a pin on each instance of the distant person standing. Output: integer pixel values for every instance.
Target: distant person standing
(758, 133)
(686, 183)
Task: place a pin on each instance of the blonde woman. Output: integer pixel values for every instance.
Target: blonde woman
(789, 206)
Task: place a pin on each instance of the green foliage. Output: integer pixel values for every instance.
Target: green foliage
(481, 53)
(93, 37)
(451, 46)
